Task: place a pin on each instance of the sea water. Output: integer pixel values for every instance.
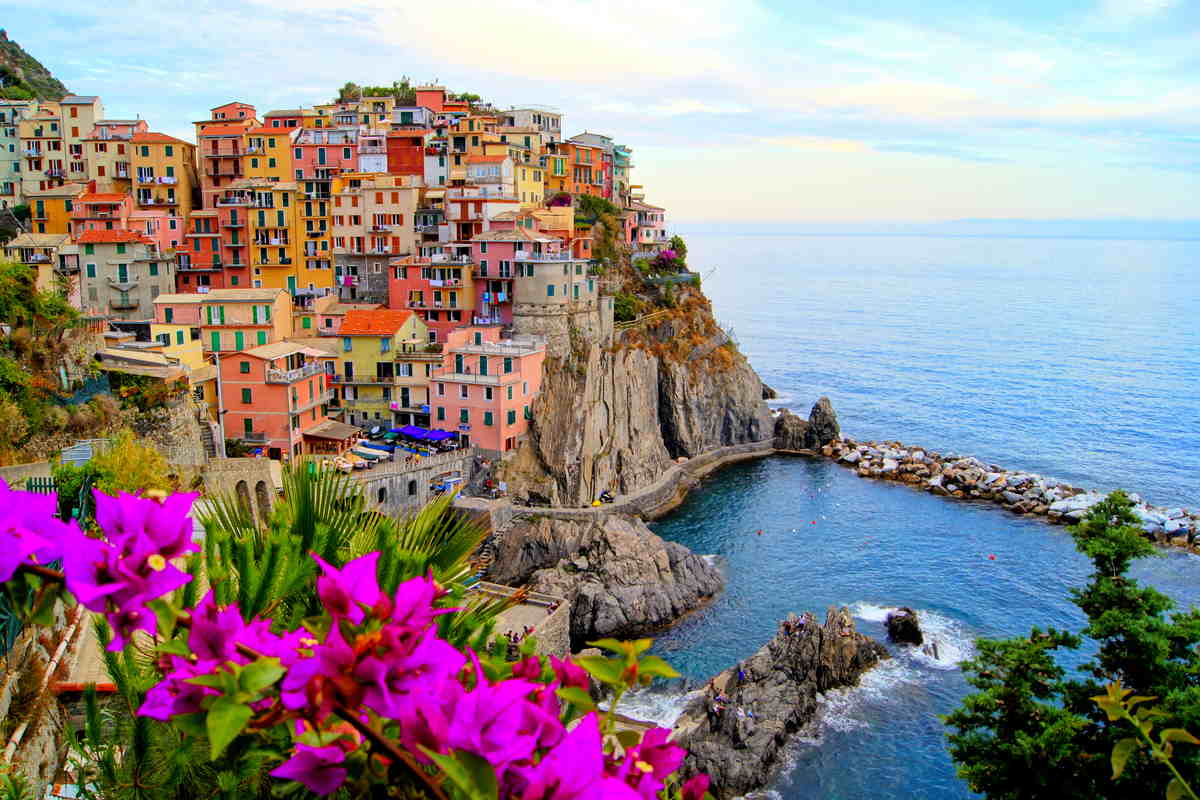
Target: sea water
(1075, 358)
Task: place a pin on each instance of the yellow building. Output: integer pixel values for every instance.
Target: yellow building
(79, 116)
(180, 342)
(557, 174)
(277, 220)
(530, 184)
(268, 153)
(315, 239)
(50, 209)
(164, 173)
(374, 370)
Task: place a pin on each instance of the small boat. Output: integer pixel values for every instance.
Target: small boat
(355, 461)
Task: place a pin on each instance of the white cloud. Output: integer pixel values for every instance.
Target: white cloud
(1127, 11)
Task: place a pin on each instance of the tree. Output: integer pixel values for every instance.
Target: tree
(680, 248)
(1033, 731)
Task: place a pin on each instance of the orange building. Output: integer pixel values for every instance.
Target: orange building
(272, 395)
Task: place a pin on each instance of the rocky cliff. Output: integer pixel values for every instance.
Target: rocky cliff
(737, 728)
(613, 416)
(23, 77)
(618, 577)
(796, 433)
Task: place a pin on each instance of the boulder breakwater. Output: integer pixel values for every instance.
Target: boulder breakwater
(1020, 492)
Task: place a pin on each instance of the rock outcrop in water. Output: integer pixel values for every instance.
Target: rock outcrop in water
(619, 577)
(737, 729)
(614, 417)
(1020, 492)
(903, 627)
(794, 433)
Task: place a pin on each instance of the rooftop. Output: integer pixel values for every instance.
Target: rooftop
(224, 130)
(179, 297)
(274, 350)
(112, 237)
(381, 322)
(151, 137)
(330, 429)
(78, 99)
(242, 295)
(102, 197)
(38, 240)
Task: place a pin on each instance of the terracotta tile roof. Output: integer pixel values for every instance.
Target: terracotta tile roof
(224, 130)
(111, 237)
(151, 137)
(485, 159)
(102, 197)
(285, 112)
(373, 323)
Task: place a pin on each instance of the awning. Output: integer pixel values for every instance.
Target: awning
(387, 448)
(332, 430)
(437, 436)
(413, 432)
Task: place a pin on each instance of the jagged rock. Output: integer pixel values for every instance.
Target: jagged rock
(768, 393)
(822, 424)
(769, 697)
(619, 577)
(791, 432)
(903, 627)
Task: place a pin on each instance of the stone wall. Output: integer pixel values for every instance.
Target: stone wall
(173, 430)
(396, 485)
(555, 322)
(254, 481)
(17, 474)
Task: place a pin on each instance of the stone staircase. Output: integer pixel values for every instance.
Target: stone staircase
(209, 441)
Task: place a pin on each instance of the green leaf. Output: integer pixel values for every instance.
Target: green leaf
(628, 738)
(1176, 735)
(473, 776)
(612, 645)
(576, 697)
(1120, 754)
(605, 670)
(191, 724)
(175, 647)
(216, 680)
(166, 616)
(656, 667)
(226, 719)
(1176, 790)
(260, 674)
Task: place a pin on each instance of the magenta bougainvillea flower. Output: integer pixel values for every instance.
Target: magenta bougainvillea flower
(318, 768)
(569, 673)
(694, 787)
(647, 764)
(575, 769)
(167, 525)
(345, 591)
(28, 530)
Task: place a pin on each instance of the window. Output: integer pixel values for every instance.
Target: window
(463, 392)
(179, 337)
(145, 151)
(247, 397)
(262, 337)
(487, 393)
(153, 269)
(478, 338)
(306, 322)
(385, 344)
(91, 269)
(550, 290)
(89, 249)
(487, 418)
(511, 419)
(441, 390)
(170, 150)
(441, 413)
(347, 344)
(120, 247)
(507, 365)
(243, 366)
(510, 393)
(346, 153)
(464, 416)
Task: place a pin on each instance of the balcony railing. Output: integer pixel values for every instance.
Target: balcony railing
(293, 375)
(435, 304)
(233, 223)
(525, 255)
(318, 398)
(37, 258)
(123, 305)
(467, 377)
(254, 437)
(364, 379)
(231, 201)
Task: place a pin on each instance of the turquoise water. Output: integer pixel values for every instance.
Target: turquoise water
(1075, 358)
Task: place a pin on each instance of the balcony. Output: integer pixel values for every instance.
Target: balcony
(490, 276)
(36, 258)
(436, 305)
(190, 267)
(146, 179)
(468, 377)
(380, 228)
(318, 398)
(315, 234)
(525, 255)
(123, 305)
(363, 379)
(86, 213)
(254, 437)
(231, 201)
(233, 223)
(293, 375)
(55, 172)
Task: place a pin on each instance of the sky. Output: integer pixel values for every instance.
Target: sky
(737, 111)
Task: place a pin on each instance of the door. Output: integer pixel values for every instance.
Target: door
(239, 341)
(292, 285)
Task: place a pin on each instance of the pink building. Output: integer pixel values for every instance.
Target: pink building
(177, 309)
(275, 397)
(99, 211)
(485, 387)
(437, 289)
(495, 255)
(318, 154)
(159, 226)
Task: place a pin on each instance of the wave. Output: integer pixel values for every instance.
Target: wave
(955, 643)
(659, 704)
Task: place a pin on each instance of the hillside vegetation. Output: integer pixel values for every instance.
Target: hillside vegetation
(22, 77)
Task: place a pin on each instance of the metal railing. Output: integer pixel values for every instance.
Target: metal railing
(293, 375)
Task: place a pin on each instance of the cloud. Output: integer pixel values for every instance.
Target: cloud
(821, 144)
(1129, 11)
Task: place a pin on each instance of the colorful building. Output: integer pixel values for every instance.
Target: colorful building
(50, 209)
(485, 387)
(495, 255)
(268, 152)
(649, 229)
(272, 395)
(100, 211)
(372, 223)
(370, 377)
(438, 289)
(108, 150)
(122, 273)
(220, 146)
(11, 154)
(164, 174)
(79, 117)
(234, 319)
(199, 267)
(42, 252)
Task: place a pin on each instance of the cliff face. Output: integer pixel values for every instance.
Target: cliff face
(613, 417)
(737, 728)
(618, 578)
